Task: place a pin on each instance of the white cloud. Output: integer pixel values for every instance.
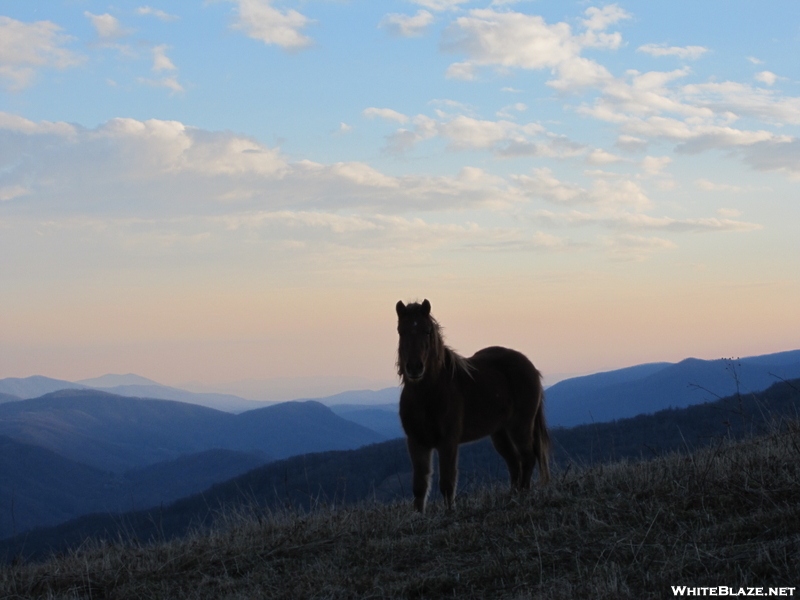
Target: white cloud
(654, 165)
(385, 113)
(505, 138)
(15, 123)
(26, 47)
(601, 157)
(107, 26)
(439, 5)
(164, 166)
(685, 52)
(626, 221)
(607, 195)
(464, 71)
(160, 60)
(600, 18)
(767, 77)
(160, 14)
(517, 40)
(171, 83)
(506, 111)
(407, 26)
(709, 186)
(259, 20)
(631, 143)
(739, 99)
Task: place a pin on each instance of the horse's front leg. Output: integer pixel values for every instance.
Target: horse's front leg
(421, 463)
(448, 472)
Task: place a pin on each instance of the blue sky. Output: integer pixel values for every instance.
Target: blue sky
(239, 189)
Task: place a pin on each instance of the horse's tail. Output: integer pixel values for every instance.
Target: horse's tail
(542, 438)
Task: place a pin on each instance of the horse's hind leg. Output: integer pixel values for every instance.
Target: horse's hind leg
(421, 463)
(523, 441)
(448, 472)
(505, 447)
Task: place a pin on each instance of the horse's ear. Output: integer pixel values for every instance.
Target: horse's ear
(426, 307)
(400, 308)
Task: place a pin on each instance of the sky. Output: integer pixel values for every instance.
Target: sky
(215, 191)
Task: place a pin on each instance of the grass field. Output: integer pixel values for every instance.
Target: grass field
(727, 515)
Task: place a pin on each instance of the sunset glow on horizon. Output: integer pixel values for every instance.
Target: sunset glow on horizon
(243, 189)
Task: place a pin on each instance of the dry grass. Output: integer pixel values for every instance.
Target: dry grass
(726, 515)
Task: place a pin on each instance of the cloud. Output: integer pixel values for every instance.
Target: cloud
(654, 165)
(465, 71)
(685, 52)
(160, 14)
(626, 221)
(740, 100)
(166, 167)
(506, 111)
(605, 194)
(406, 26)
(439, 5)
(709, 186)
(601, 157)
(107, 26)
(696, 117)
(516, 40)
(635, 247)
(385, 113)
(600, 18)
(505, 138)
(775, 155)
(171, 83)
(259, 20)
(13, 191)
(160, 60)
(767, 77)
(26, 47)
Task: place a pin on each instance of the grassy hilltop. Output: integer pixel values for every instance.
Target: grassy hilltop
(728, 514)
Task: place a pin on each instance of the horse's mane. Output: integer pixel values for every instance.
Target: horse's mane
(446, 356)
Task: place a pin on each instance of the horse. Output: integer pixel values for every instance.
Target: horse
(448, 400)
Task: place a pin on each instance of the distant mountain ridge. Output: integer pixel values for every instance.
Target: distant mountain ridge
(117, 433)
(648, 388)
(111, 380)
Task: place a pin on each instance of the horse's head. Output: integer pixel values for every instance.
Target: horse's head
(419, 334)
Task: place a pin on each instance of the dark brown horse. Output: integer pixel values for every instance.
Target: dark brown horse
(449, 400)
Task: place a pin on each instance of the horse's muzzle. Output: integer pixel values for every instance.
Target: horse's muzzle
(415, 371)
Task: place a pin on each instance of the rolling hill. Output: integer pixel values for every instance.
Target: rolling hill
(382, 471)
(40, 488)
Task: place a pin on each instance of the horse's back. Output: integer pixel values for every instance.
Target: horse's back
(513, 364)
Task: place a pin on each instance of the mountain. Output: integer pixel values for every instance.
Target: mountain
(111, 380)
(651, 387)
(40, 488)
(383, 418)
(33, 387)
(225, 402)
(363, 397)
(281, 389)
(112, 432)
(118, 433)
(8, 398)
(129, 385)
(382, 471)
